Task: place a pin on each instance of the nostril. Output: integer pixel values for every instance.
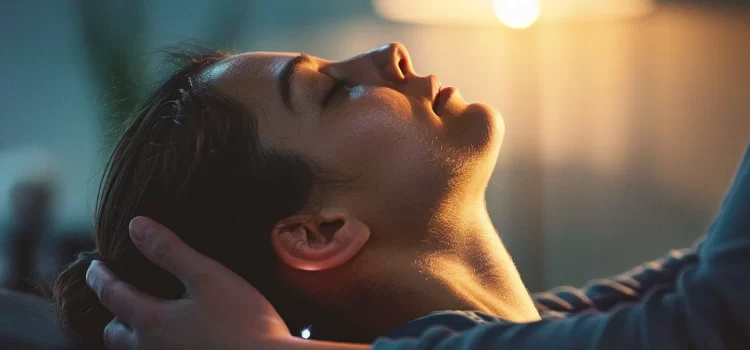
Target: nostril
(393, 62)
(403, 66)
(403, 60)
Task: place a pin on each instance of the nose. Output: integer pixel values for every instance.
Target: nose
(387, 65)
(394, 62)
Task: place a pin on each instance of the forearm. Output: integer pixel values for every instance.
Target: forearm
(604, 294)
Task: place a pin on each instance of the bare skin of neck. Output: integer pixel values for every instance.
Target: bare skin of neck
(463, 265)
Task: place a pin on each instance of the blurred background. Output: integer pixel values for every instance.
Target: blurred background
(625, 119)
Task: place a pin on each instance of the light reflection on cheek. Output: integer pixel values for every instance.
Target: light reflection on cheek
(374, 96)
(380, 101)
(374, 115)
(357, 92)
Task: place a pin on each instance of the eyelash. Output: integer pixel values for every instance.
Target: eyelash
(337, 87)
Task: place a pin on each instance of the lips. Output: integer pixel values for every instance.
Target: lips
(442, 98)
(439, 95)
(435, 90)
(443, 95)
(435, 101)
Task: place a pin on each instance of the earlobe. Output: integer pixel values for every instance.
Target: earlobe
(300, 243)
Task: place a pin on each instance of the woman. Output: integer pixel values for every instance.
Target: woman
(351, 194)
(338, 189)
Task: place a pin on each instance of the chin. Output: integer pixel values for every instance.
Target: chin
(480, 128)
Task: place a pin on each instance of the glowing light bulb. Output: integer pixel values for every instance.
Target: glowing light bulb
(517, 13)
(306, 333)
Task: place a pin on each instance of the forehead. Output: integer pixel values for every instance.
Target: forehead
(249, 74)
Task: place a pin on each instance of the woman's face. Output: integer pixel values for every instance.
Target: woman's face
(370, 115)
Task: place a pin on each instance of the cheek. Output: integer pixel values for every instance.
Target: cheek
(369, 128)
(379, 106)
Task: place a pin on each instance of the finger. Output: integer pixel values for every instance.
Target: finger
(123, 300)
(164, 248)
(118, 336)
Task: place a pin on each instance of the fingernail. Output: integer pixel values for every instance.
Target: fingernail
(138, 228)
(89, 280)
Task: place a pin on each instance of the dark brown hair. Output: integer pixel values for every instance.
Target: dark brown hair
(191, 159)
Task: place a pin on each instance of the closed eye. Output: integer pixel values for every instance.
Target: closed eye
(339, 86)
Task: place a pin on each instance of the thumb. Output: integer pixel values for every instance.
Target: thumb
(164, 248)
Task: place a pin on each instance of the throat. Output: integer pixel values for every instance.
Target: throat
(466, 267)
(491, 286)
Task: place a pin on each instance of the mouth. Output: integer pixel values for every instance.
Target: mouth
(435, 86)
(440, 95)
(442, 99)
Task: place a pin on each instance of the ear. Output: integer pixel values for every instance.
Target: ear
(321, 241)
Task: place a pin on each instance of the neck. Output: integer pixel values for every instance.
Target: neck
(474, 268)
(462, 265)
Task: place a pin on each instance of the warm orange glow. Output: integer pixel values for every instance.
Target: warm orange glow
(594, 10)
(513, 13)
(517, 13)
(436, 11)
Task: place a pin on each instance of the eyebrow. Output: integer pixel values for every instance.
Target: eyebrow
(287, 76)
